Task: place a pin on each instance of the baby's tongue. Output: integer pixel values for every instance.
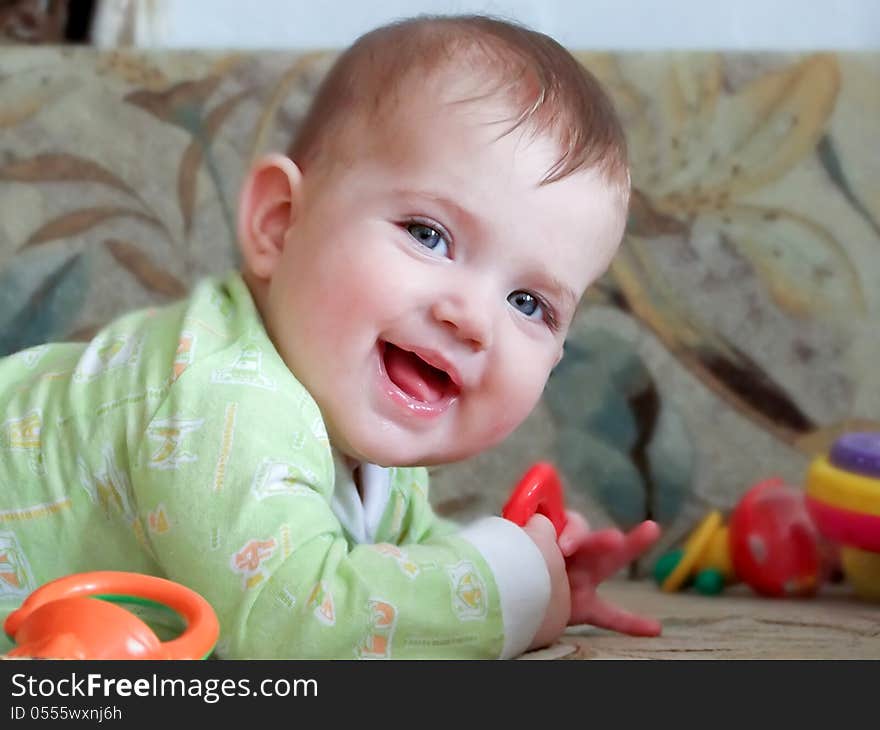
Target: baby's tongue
(414, 376)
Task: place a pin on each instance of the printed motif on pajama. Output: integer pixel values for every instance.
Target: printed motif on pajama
(321, 603)
(377, 644)
(108, 487)
(178, 443)
(16, 578)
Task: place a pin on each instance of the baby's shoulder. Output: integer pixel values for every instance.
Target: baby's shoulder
(216, 330)
(222, 338)
(225, 367)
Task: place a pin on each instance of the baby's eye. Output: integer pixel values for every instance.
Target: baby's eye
(525, 303)
(429, 237)
(531, 305)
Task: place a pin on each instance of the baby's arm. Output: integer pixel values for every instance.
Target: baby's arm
(234, 496)
(558, 612)
(423, 525)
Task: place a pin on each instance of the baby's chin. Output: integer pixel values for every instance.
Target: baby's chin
(408, 449)
(383, 447)
(394, 455)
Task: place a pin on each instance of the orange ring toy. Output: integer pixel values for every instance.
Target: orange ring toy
(75, 617)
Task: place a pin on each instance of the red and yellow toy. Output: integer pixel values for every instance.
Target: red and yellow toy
(770, 544)
(785, 541)
(76, 617)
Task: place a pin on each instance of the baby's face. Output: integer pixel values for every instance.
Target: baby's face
(426, 286)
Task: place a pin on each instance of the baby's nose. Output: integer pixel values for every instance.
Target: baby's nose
(467, 316)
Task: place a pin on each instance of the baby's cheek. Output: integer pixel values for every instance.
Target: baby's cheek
(521, 390)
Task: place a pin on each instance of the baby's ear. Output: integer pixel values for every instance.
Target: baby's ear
(268, 207)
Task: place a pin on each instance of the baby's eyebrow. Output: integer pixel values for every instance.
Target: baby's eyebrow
(461, 214)
(562, 292)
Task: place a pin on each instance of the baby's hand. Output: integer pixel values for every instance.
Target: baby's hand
(591, 558)
(541, 530)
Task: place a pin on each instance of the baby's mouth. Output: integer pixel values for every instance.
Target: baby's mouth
(415, 377)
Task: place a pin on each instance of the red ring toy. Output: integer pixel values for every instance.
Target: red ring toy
(65, 619)
(539, 491)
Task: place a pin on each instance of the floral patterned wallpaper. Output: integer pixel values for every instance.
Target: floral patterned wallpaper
(737, 333)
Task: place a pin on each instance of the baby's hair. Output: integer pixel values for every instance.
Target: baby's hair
(550, 92)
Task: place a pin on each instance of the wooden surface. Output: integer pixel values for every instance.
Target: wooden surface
(735, 625)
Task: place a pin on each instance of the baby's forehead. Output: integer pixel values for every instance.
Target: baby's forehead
(411, 97)
(444, 126)
(401, 125)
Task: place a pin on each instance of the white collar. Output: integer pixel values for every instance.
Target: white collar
(360, 518)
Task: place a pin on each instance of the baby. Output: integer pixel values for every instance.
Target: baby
(410, 271)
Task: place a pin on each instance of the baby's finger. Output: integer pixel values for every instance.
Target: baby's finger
(639, 539)
(575, 530)
(599, 542)
(614, 618)
(539, 525)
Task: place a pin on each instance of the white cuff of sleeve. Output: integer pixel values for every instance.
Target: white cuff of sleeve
(520, 575)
